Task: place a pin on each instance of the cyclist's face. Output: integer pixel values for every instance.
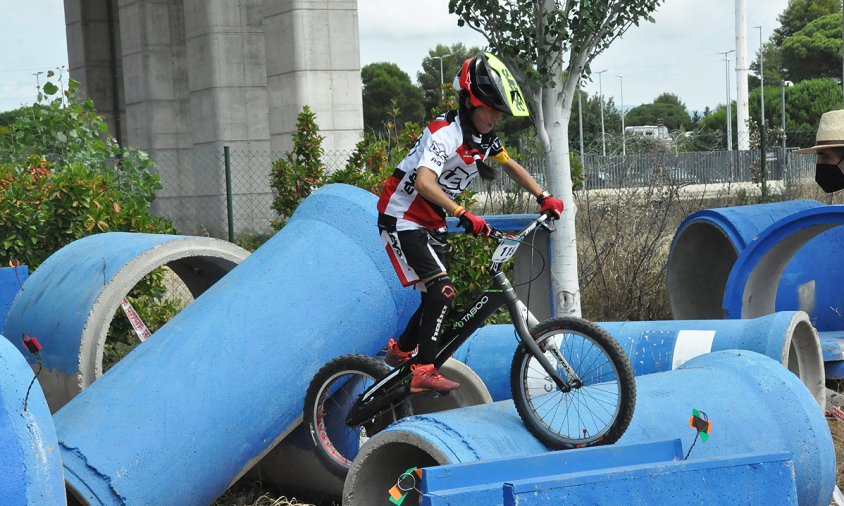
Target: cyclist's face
(485, 119)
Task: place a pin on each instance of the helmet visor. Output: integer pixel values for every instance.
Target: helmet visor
(510, 96)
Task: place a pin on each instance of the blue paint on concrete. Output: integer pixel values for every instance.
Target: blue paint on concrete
(809, 280)
(11, 281)
(481, 482)
(649, 345)
(30, 465)
(806, 238)
(742, 224)
(191, 408)
(743, 479)
(56, 304)
(755, 405)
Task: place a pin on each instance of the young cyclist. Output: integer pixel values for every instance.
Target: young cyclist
(451, 151)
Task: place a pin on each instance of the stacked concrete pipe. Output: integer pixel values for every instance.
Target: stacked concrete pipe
(30, 465)
(222, 383)
(656, 346)
(755, 405)
(69, 301)
(705, 248)
(293, 468)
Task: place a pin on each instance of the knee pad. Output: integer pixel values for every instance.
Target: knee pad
(440, 291)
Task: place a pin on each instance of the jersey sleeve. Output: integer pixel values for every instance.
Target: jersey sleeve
(437, 148)
(498, 152)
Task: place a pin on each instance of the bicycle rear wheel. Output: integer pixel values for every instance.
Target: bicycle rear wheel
(594, 413)
(330, 395)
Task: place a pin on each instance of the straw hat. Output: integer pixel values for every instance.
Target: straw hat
(830, 132)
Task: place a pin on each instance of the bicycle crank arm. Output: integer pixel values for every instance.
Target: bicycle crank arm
(528, 341)
(360, 414)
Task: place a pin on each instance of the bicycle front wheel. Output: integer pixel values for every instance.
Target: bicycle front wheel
(599, 407)
(330, 395)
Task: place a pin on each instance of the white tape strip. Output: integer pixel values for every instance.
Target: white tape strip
(690, 344)
(138, 325)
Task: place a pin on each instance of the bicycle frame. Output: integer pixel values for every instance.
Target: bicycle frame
(396, 385)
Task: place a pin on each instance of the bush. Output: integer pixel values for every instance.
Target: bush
(301, 171)
(62, 177)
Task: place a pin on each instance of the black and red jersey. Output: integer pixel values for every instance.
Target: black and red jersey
(442, 149)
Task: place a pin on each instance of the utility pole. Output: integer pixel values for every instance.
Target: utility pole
(442, 78)
(742, 70)
(623, 135)
(601, 97)
(729, 100)
(763, 148)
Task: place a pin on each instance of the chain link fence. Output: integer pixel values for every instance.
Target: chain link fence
(200, 199)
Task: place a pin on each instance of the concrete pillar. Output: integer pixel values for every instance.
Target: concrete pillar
(313, 58)
(93, 47)
(200, 75)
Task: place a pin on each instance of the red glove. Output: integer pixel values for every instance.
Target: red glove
(474, 225)
(555, 205)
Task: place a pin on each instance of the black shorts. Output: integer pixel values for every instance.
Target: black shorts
(415, 254)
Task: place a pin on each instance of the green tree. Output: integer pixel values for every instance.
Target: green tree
(798, 14)
(548, 45)
(666, 109)
(65, 129)
(711, 131)
(815, 50)
(429, 78)
(591, 108)
(300, 171)
(385, 87)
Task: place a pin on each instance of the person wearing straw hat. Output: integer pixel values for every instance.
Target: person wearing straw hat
(829, 146)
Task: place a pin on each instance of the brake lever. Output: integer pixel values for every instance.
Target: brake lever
(549, 226)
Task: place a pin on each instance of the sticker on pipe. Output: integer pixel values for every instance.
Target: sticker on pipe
(690, 344)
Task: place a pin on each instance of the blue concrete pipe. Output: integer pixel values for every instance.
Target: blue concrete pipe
(30, 464)
(656, 346)
(11, 281)
(812, 239)
(707, 244)
(755, 405)
(196, 405)
(69, 301)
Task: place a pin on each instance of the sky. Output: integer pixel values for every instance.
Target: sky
(678, 53)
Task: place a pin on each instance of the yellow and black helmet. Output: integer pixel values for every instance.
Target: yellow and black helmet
(490, 84)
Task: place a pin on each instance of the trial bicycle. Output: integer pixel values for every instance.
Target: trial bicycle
(572, 384)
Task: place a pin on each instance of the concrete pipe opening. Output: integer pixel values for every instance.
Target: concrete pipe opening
(698, 267)
(805, 358)
(366, 484)
(70, 301)
(293, 469)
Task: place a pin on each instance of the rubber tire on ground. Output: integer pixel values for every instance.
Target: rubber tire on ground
(610, 348)
(354, 364)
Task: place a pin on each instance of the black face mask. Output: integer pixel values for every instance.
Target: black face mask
(829, 176)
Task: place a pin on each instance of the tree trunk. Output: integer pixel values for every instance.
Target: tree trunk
(565, 285)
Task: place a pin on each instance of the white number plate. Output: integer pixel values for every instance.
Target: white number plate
(505, 251)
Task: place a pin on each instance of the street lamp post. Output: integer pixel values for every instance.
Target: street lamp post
(601, 99)
(783, 85)
(763, 148)
(623, 135)
(37, 80)
(442, 78)
(729, 100)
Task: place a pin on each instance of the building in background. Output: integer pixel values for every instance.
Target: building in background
(180, 79)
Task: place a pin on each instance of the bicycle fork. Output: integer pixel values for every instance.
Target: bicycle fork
(521, 318)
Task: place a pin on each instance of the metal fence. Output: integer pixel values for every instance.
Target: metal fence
(201, 200)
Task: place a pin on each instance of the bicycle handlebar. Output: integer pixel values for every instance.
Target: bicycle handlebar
(542, 220)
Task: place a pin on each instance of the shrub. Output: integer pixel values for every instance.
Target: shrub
(301, 171)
